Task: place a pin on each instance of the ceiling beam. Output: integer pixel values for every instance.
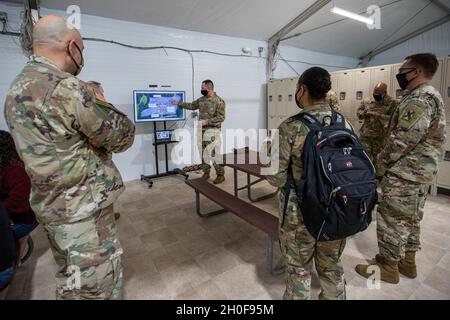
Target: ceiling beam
(34, 7)
(365, 59)
(274, 40)
(441, 6)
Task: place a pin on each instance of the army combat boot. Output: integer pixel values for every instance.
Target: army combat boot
(205, 176)
(388, 270)
(407, 266)
(219, 179)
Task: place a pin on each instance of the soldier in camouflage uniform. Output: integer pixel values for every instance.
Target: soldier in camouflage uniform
(101, 100)
(298, 246)
(333, 101)
(376, 113)
(65, 138)
(212, 114)
(407, 165)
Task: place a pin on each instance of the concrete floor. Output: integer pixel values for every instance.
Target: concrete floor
(171, 253)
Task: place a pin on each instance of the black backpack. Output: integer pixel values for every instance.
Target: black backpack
(337, 191)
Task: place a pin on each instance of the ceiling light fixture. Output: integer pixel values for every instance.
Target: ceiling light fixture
(353, 15)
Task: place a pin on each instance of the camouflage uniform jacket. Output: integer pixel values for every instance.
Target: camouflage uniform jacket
(375, 126)
(416, 137)
(212, 109)
(65, 139)
(292, 135)
(333, 101)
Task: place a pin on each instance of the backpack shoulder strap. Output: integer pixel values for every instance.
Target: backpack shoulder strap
(338, 120)
(309, 120)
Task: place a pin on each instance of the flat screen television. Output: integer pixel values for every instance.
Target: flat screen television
(152, 106)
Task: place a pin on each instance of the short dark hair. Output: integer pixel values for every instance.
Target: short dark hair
(427, 61)
(8, 152)
(209, 83)
(318, 82)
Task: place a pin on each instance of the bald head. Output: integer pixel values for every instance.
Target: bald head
(380, 88)
(50, 30)
(55, 40)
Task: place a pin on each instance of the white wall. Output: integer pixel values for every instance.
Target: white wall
(436, 41)
(240, 81)
(309, 59)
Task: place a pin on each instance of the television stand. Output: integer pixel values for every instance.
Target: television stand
(176, 171)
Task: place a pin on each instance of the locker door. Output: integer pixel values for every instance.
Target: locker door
(271, 98)
(382, 74)
(334, 82)
(447, 144)
(270, 123)
(281, 98)
(290, 89)
(345, 86)
(277, 121)
(397, 92)
(361, 89)
(444, 175)
(437, 79)
(446, 93)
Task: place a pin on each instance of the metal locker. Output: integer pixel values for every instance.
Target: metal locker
(345, 86)
(443, 180)
(281, 120)
(334, 82)
(281, 98)
(271, 123)
(382, 74)
(278, 121)
(361, 89)
(271, 98)
(447, 144)
(397, 92)
(446, 92)
(290, 90)
(437, 79)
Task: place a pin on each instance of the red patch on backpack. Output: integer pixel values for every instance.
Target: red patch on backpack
(349, 165)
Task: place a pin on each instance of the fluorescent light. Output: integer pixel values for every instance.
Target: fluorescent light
(352, 15)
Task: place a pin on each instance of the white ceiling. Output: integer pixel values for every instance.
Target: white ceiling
(260, 19)
(352, 38)
(253, 19)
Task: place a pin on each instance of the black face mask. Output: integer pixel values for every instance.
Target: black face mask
(402, 81)
(378, 97)
(79, 66)
(204, 93)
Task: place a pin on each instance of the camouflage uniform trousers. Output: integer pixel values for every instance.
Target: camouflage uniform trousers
(399, 215)
(300, 249)
(88, 255)
(373, 146)
(209, 152)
